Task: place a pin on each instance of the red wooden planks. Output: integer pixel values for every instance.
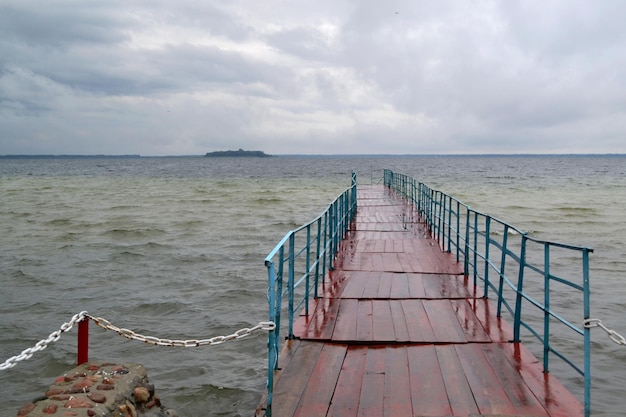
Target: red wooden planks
(383, 326)
(372, 390)
(555, 398)
(417, 322)
(345, 402)
(456, 385)
(509, 379)
(321, 383)
(429, 394)
(489, 395)
(400, 326)
(397, 395)
(346, 325)
(364, 321)
(293, 380)
(444, 322)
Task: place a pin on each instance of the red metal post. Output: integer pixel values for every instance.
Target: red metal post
(83, 341)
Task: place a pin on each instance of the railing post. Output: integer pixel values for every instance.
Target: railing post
(83, 341)
(586, 333)
(546, 307)
(326, 231)
(487, 244)
(317, 256)
(505, 241)
(331, 238)
(308, 270)
(467, 243)
(278, 302)
(449, 224)
(272, 343)
(290, 283)
(520, 287)
(458, 229)
(475, 249)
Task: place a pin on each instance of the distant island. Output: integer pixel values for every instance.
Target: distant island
(238, 153)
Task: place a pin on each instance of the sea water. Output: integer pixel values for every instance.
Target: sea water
(174, 248)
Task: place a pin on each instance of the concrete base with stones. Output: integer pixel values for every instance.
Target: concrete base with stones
(99, 390)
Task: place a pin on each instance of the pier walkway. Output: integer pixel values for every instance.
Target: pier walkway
(399, 331)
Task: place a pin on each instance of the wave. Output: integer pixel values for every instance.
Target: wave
(134, 233)
(268, 200)
(59, 222)
(125, 256)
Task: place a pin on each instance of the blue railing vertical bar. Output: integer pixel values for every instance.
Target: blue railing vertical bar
(308, 257)
(486, 245)
(587, 330)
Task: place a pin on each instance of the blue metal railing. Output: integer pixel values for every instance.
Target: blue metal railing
(518, 268)
(298, 264)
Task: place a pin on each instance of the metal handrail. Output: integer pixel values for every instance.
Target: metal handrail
(488, 246)
(298, 264)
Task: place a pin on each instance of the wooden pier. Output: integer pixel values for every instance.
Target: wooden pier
(399, 331)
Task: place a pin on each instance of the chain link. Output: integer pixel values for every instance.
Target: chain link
(613, 335)
(42, 344)
(217, 340)
(129, 334)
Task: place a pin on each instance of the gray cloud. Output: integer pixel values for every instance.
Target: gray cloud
(187, 77)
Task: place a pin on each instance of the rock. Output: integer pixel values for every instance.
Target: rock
(97, 397)
(26, 409)
(78, 402)
(141, 394)
(99, 390)
(54, 391)
(83, 384)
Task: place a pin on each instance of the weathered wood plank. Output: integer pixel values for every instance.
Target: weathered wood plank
(346, 326)
(509, 379)
(444, 322)
(386, 280)
(372, 390)
(400, 287)
(490, 397)
(320, 388)
(429, 394)
(498, 329)
(397, 398)
(399, 322)
(293, 380)
(457, 387)
(321, 321)
(417, 322)
(345, 402)
(468, 321)
(382, 322)
(364, 320)
(550, 392)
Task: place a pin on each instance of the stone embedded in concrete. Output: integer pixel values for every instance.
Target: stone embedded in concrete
(99, 390)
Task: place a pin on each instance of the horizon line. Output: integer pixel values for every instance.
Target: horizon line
(100, 155)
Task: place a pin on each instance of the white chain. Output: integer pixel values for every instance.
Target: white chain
(42, 344)
(129, 334)
(613, 335)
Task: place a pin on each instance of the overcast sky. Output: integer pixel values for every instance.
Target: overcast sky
(164, 77)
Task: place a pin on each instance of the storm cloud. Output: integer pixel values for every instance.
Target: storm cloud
(342, 76)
